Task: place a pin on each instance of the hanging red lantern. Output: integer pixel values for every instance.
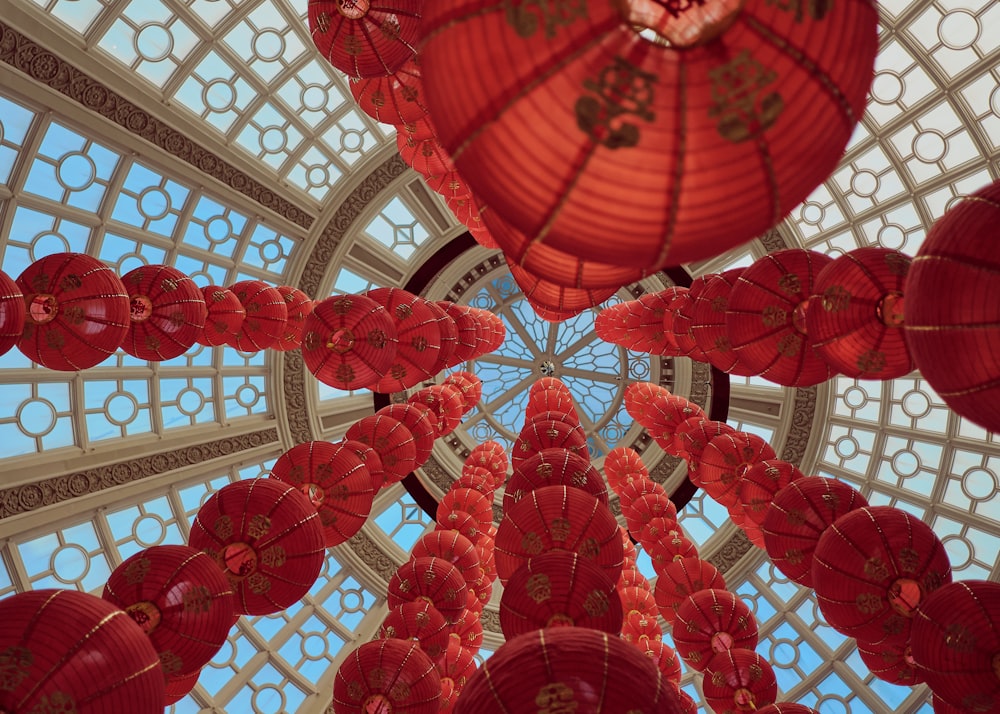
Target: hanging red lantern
(299, 305)
(266, 537)
(551, 467)
(551, 400)
(365, 40)
(421, 423)
(394, 98)
(871, 570)
(679, 320)
(470, 385)
(180, 600)
(647, 507)
(632, 577)
(951, 308)
(891, 662)
(798, 516)
(644, 319)
(419, 621)
(673, 546)
(694, 435)
(456, 664)
(766, 319)
(639, 627)
(432, 580)
(637, 599)
(454, 548)
(737, 681)
(418, 339)
(555, 668)
(476, 478)
(563, 518)
(392, 441)
(468, 331)
(12, 309)
(566, 301)
(724, 461)
(266, 315)
(711, 621)
(447, 335)
(681, 578)
(445, 401)
(225, 315)
(469, 501)
(76, 312)
(956, 644)
(610, 323)
(656, 529)
(470, 214)
(663, 656)
(468, 631)
(855, 320)
(370, 458)
(335, 480)
(387, 676)
(631, 491)
(622, 466)
(497, 331)
(710, 296)
(448, 184)
(464, 523)
(540, 435)
(638, 397)
(632, 114)
(425, 156)
(51, 640)
(167, 312)
(759, 484)
(178, 687)
(664, 414)
(349, 341)
(492, 456)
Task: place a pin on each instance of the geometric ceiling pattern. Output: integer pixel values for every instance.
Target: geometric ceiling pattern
(208, 135)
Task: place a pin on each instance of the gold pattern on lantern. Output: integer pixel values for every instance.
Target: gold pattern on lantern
(258, 584)
(836, 298)
(223, 527)
(531, 543)
(259, 526)
(869, 603)
(741, 104)
(774, 316)
(876, 569)
(136, 571)
(596, 603)
(553, 14)
(274, 557)
(622, 90)
(539, 587)
(15, 662)
(55, 703)
(817, 9)
(170, 662)
(556, 698)
(560, 529)
(197, 599)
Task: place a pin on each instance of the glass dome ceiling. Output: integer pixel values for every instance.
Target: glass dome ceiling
(206, 134)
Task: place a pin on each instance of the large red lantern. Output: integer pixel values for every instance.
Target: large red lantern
(335, 480)
(663, 656)
(563, 518)
(760, 482)
(167, 312)
(421, 423)
(395, 98)
(680, 149)
(724, 461)
(432, 580)
(349, 341)
(387, 676)
(956, 644)
(266, 315)
(181, 601)
(467, 500)
(52, 642)
(639, 396)
(622, 466)
(891, 662)
(489, 455)
(468, 331)
(11, 313)
(540, 435)
(664, 414)
(419, 339)
(393, 443)
(681, 578)
(446, 403)
(644, 320)
(694, 435)
(567, 669)
(299, 306)
(552, 467)
(470, 385)
(454, 548)
(566, 301)
(679, 321)
(448, 336)
(797, 517)
(856, 317)
(76, 312)
(951, 312)
(871, 570)
(267, 538)
(225, 315)
(419, 621)
(766, 320)
(711, 621)
(710, 302)
(737, 681)
(363, 39)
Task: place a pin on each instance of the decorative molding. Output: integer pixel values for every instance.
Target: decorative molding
(372, 555)
(491, 620)
(801, 427)
(48, 69)
(731, 552)
(772, 240)
(29, 497)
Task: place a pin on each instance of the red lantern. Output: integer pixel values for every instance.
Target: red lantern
(943, 707)
(468, 631)
(786, 708)
(448, 335)
(640, 627)
(396, 98)
(299, 306)
(470, 385)
(673, 546)
(759, 484)
(551, 400)
(365, 40)
(711, 621)
(225, 316)
(421, 423)
(445, 401)
(951, 308)
(540, 435)
(266, 537)
(552, 467)
(871, 570)
(432, 580)
(665, 659)
(644, 320)
(419, 339)
(181, 601)
(560, 299)
(679, 320)
(631, 491)
(491, 456)
(647, 507)
(637, 599)
(622, 466)
(658, 145)
(464, 523)
(681, 578)
(349, 342)
(335, 480)
(11, 313)
(386, 676)
(639, 396)
(798, 516)
(469, 501)
(454, 548)
(266, 315)
(370, 458)
(419, 621)
(51, 640)
(476, 478)
(178, 687)
(724, 461)
(167, 312)
(76, 312)
(469, 214)
(855, 320)
(891, 662)
(468, 331)
(632, 577)
(738, 680)
(710, 295)
(552, 668)
(766, 319)
(563, 518)
(456, 664)
(393, 443)
(664, 414)
(956, 644)
(694, 435)
(656, 529)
